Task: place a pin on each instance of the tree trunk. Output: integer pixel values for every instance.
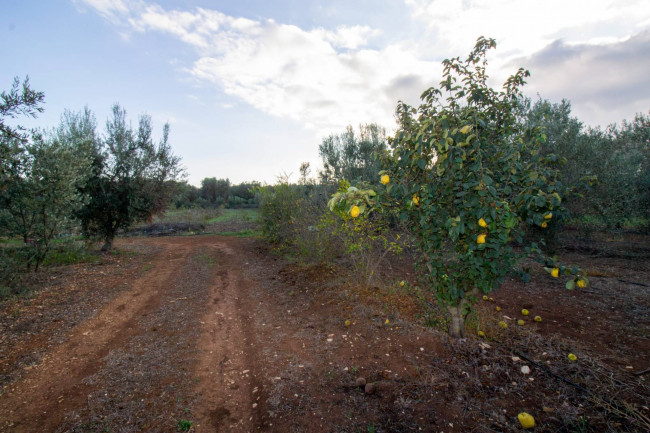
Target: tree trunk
(108, 243)
(457, 324)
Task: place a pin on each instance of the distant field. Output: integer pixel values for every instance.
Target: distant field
(225, 222)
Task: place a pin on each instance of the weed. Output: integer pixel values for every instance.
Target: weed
(185, 425)
(206, 259)
(581, 425)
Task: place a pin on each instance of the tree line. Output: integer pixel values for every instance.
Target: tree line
(214, 193)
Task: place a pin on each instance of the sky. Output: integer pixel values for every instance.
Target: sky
(251, 87)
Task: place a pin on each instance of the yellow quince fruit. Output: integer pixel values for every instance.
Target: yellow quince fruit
(581, 283)
(520, 322)
(548, 216)
(416, 200)
(385, 179)
(525, 312)
(503, 324)
(480, 239)
(538, 319)
(354, 212)
(555, 272)
(526, 420)
(572, 357)
(544, 225)
(482, 223)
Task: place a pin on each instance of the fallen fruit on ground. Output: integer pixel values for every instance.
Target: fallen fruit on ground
(525, 312)
(503, 324)
(526, 420)
(348, 323)
(538, 319)
(572, 357)
(555, 272)
(520, 322)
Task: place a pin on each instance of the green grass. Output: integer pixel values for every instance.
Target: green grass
(12, 242)
(63, 256)
(228, 215)
(192, 216)
(249, 233)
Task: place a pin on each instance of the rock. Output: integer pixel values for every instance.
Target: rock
(370, 388)
(361, 381)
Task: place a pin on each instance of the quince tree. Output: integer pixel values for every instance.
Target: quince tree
(466, 176)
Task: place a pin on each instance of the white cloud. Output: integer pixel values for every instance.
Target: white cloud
(109, 9)
(322, 78)
(325, 79)
(351, 37)
(605, 82)
(522, 27)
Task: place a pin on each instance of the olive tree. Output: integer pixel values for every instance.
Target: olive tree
(131, 177)
(351, 155)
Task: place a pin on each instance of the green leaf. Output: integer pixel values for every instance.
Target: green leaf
(570, 285)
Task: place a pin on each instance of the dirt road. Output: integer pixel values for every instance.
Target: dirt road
(213, 334)
(181, 331)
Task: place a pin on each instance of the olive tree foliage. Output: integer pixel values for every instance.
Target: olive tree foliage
(634, 139)
(39, 205)
(41, 176)
(351, 155)
(466, 175)
(131, 177)
(621, 160)
(21, 100)
(613, 161)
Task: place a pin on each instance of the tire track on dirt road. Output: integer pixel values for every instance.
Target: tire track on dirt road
(230, 382)
(40, 401)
